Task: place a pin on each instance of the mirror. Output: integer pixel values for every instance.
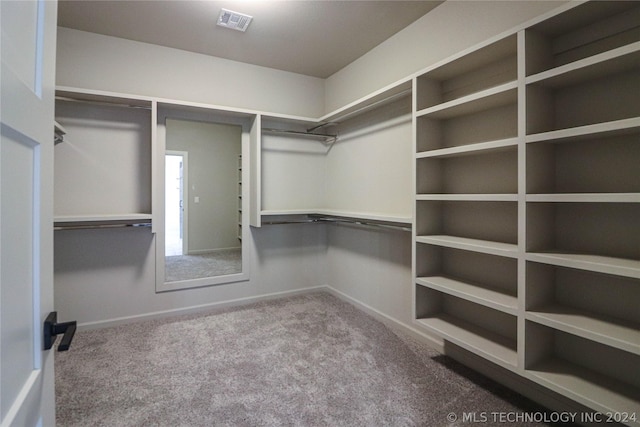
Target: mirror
(203, 200)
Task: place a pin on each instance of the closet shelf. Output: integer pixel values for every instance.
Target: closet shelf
(469, 197)
(354, 215)
(491, 298)
(613, 332)
(489, 98)
(377, 99)
(597, 263)
(103, 217)
(101, 221)
(592, 389)
(621, 59)
(585, 197)
(612, 128)
(475, 245)
(470, 149)
(326, 138)
(492, 346)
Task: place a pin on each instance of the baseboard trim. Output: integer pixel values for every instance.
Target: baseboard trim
(196, 308)
(391, 322)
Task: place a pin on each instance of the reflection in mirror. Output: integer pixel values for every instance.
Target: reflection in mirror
(202, 200)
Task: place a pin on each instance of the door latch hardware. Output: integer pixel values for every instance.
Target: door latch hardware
(53, 328)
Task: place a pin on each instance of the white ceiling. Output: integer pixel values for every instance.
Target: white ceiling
(311, 37)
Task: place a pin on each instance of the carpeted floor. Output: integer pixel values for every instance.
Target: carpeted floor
(217, 263)
(310, 360)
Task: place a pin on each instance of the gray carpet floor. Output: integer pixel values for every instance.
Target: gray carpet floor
(310, 360)
(217, 263)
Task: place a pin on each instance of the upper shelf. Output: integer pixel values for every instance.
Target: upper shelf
(378, 98)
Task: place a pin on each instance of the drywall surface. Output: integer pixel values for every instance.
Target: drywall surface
(446, 30)
(93, 61)
(368, 170)
(372, 267)
(106, 276)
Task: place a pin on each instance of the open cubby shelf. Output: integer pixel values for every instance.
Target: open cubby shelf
(527, 152)
(493, 298)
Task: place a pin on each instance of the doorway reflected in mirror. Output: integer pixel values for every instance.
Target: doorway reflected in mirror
(202, 200)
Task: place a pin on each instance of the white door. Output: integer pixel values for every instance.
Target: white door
(26, 210)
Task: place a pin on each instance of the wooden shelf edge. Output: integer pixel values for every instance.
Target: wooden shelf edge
(597, 263)
(474, 293)
(475, 245)
(102, 217)
(585, 197)
(470, 149)
(616, 333)
(591, 389)
(491, 346)
(507, 197)
(615, 127)
(612, 55)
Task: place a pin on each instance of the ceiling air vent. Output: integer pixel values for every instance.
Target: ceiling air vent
(234, 20)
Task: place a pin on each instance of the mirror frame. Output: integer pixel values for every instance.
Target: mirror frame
(200, 114)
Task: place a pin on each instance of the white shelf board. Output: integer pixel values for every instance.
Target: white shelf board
(470, 149)
(597, 263)
(475, 245)
(616, 127)
(487, 297)
(503, 94)
(375, 99)
(491, 346)
(102, 217)
(507, 197)
(613, 332)
(406, 220)
(589, 388)
(600, 65)
(585, 197)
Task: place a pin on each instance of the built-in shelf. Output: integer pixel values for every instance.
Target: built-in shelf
(469, 197)
(607, 330)
(615, 127)
(483, 100)
(597, 263)
(103, 217)
(527, 203)
(488, 344)
(488, 297)
(355, 215)
(589, 388)
(476, 245)
(615, 61)
(470, 149)
(586, 197)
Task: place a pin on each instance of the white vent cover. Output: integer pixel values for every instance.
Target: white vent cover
(234, 20)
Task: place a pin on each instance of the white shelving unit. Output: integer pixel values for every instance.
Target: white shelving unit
(527, 206)
(304, 170)
(104, 166)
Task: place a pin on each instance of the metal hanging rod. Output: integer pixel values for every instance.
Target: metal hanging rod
(312, 219)
(98, 226)
(362, 222)
(327, 137)
(362, 109)
(104, 103)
